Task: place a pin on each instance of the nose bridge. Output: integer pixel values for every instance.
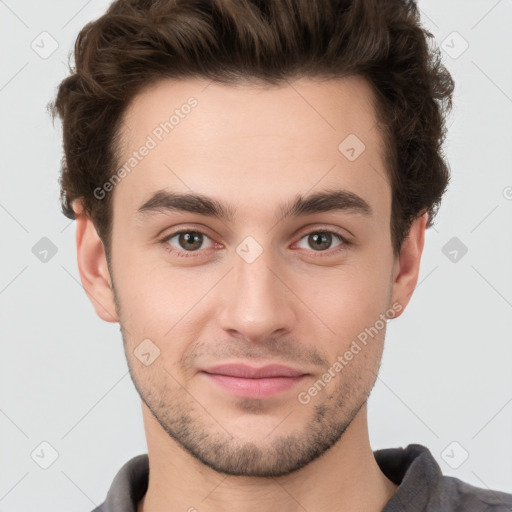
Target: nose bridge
(256, 303)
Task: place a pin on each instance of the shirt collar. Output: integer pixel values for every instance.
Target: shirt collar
(403, 466)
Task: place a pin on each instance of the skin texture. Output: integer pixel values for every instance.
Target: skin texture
(253, 148)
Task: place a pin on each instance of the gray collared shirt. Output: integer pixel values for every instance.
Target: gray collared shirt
(421, 485)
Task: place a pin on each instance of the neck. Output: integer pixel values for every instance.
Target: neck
(346, 476)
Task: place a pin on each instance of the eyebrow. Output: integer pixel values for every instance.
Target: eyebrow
(164, 201)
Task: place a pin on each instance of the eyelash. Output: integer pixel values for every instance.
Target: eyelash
(187, 254)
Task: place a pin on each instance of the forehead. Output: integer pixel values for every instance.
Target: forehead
(239, 141)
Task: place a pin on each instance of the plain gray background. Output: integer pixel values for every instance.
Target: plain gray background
(445, 379)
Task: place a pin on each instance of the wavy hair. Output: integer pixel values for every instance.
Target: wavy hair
(137, 42)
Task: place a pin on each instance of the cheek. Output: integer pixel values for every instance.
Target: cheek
(161, 304)
(353, 303)
(351, 297)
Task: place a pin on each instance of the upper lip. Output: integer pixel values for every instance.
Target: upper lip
(251, 372)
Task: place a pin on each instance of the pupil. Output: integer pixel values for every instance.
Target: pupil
(190, 239)
(321, 240)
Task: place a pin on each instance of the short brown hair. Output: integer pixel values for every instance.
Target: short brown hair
(137, 42)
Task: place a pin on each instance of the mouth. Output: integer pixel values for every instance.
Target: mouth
(250, 382)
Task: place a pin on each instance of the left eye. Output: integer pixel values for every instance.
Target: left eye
(321, 240)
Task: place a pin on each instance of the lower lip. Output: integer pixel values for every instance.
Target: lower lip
(254, 388)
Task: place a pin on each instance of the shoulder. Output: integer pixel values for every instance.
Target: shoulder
(457, 495)
(423, 487)
(129, 485)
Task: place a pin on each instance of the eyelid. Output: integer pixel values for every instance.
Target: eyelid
(315, 228)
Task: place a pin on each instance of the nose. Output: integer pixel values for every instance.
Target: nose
(257, 302)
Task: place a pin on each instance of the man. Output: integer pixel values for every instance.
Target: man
(251, 183)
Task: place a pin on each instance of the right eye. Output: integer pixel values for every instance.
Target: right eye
(186, 241)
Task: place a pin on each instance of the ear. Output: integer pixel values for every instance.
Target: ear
(92, 264)
(407, 265)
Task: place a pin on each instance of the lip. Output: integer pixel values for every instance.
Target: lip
(250, 382)
(250, 372)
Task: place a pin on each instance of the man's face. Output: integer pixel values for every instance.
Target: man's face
(256, 288)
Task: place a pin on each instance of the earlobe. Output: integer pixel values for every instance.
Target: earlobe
(92, 265)
(407, 264)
